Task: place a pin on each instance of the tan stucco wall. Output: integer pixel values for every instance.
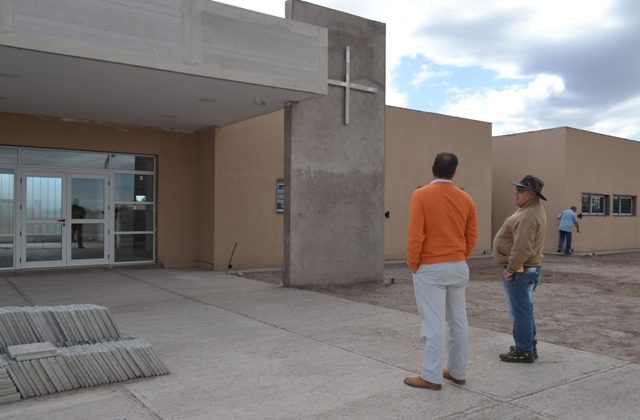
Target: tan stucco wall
(249, 160)
(413, 138)
(607, 165)
(176, 152)
(539, 153)
(205, 146)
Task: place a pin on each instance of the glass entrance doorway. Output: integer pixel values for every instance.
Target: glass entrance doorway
(62, 208)
(64, 219)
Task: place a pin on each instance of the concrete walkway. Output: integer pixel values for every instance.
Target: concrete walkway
(238, 348)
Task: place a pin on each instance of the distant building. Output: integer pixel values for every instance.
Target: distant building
(597, 173)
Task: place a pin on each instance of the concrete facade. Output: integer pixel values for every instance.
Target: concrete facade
(334, 172)
(176, 64)
(571, 162)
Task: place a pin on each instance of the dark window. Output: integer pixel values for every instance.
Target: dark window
(624, 205)
(595, 204)
(279, 196)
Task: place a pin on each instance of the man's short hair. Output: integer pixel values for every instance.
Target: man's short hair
(444, 165)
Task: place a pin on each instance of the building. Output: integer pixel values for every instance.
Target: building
(597, 173)
(117, 107)
(116, 132)
(247, 179)
(193, 133)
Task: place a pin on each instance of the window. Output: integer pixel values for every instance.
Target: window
(64, 158)
(279, 196)
(134, 208)
(624, 205)
(595, 204)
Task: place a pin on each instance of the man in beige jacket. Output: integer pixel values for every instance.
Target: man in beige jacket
(517, 247)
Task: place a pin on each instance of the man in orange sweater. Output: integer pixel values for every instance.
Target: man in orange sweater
(442, 233)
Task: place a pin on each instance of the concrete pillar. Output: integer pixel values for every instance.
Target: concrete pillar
(334, 169)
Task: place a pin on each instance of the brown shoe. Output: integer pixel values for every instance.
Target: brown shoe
(447, 375)
(418, 382)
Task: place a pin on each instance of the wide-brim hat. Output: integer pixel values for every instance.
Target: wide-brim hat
(532, 183)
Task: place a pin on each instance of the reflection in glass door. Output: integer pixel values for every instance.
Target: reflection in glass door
(43, 220)
(87, 202)
(64, 220)
(7, 210)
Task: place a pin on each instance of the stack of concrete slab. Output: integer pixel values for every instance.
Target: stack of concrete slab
(83, 366)
(61, 325)
(59, 348)
(8, 391)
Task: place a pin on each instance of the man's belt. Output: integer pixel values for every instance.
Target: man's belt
(527, 269)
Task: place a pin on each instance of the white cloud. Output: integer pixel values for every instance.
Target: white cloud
(395, 97)
(426, 73)
(591, 46)
(511, 109)
(622, 120)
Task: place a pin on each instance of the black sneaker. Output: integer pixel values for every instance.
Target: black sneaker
(517, 357)
(559, 250)
(535, 350)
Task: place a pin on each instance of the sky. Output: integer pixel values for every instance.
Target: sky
(522, 65)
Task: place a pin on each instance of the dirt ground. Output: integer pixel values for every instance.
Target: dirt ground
(590, 303)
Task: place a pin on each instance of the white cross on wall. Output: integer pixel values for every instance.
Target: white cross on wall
(347, 85)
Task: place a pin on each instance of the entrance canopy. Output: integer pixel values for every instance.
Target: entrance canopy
(175, 64)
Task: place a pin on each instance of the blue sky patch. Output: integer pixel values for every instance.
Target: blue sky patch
(427, 84)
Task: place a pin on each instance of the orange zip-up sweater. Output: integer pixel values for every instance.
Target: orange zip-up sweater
(443, 225)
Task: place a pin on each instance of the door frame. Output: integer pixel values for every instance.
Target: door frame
(66, 239)
(105, 260)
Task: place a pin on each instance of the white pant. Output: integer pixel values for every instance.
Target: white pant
(440, 290)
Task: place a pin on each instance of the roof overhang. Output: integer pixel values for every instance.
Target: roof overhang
(177, 65)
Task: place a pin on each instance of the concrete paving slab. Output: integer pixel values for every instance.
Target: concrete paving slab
(555, 366)
(611, 394)
(109, 402)
(502, 411)
(237, 348)
(279, 374)
(194, 281)
(10, 296)
(381, 333)
(101, 287)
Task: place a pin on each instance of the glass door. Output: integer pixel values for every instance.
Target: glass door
(7, 217)
(44, 223)
(88, 230)
(64, 219)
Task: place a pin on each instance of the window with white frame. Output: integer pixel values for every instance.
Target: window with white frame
(595, 204)
(624, 205)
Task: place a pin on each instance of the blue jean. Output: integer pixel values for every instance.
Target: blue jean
(565, 235)
(519, 293)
